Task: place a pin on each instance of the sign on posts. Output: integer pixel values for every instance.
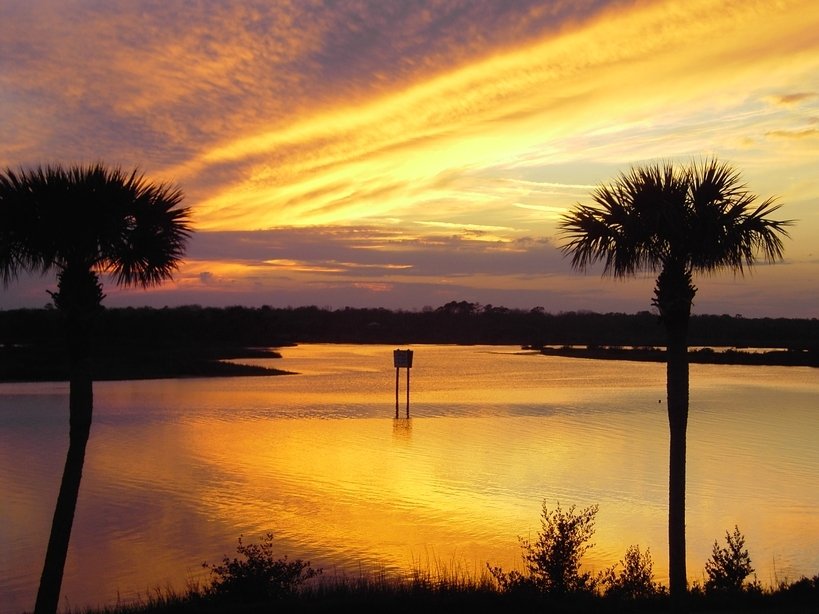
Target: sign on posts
(402, 359)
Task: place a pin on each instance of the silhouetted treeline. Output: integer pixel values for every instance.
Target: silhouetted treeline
(456, 322)
(193, 341)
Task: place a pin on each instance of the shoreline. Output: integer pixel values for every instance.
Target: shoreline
(25, 364)
(707, 355)
(20, 364)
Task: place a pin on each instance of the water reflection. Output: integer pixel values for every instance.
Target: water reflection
(178, 469)
(402, 429)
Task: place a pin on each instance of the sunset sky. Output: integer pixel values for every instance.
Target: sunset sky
(406, 153)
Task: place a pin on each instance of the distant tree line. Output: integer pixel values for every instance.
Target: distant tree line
(459, 322)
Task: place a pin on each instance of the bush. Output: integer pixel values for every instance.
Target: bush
(728, 566)
(553, 560)
(258, 577)
(803, 591)
(636, 578)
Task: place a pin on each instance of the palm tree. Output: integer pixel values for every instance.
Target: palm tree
(678, 221)
(81, 222)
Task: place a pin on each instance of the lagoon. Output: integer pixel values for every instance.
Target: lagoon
(177, 470)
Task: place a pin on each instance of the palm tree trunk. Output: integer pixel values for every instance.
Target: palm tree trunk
(674, 294)
(81, 402)
(48, 594)
(677, 401)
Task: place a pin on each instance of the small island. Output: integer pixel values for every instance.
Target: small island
(702, 355)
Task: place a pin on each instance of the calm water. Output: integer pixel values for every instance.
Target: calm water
(177, 470)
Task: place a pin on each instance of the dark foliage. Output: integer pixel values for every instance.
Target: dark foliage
(553, 560)
(729, 566)
(635, 579)
(258, 576)
(189, 341)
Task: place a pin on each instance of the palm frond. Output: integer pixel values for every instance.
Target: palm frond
(701, 218)
(92, 217)
(628, 224)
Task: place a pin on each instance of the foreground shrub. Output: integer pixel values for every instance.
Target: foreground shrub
(803, 591)
(553, 561)
(636, 578)
(728, 566)
(258, 576)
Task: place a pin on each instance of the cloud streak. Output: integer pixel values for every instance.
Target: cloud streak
(355, 162)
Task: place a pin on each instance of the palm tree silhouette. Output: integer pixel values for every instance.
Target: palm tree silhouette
(81, 222)
(677, 221)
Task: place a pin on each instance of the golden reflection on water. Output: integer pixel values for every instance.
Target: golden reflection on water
(379, 495)
(177, 470)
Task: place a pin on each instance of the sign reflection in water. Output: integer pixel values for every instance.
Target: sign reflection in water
(177, 469)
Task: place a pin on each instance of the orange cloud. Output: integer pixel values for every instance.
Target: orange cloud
(630, 80)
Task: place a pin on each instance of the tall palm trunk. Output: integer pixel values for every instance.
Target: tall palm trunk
(78, 297)
(48, 594)
(677, 393)
(673, 296)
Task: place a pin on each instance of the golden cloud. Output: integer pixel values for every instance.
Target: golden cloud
(632, 79)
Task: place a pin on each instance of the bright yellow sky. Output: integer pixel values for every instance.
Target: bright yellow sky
(407, 154)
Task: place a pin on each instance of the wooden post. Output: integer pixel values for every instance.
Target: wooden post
(397, 371)
(408, 377)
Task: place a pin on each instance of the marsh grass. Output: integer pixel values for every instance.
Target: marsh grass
(259, 582)
(445, 589)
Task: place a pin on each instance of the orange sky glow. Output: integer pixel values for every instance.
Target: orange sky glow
(405, 154)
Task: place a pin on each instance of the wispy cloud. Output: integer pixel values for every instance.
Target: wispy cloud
(360, 251)
(579, 94)
(794, 98)
(806, 133)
